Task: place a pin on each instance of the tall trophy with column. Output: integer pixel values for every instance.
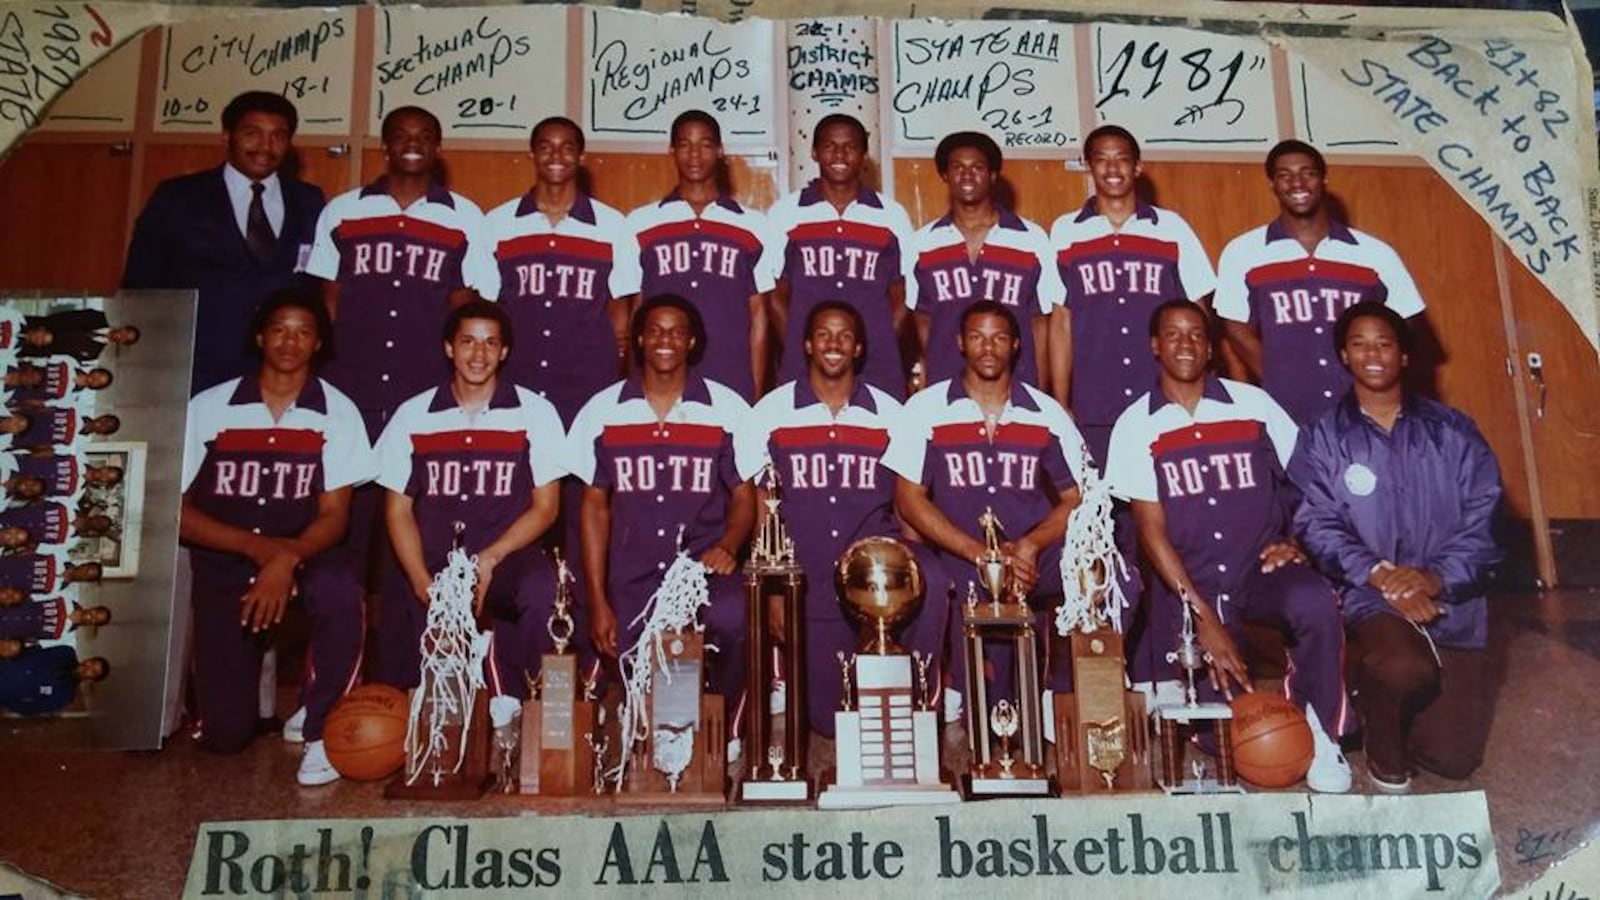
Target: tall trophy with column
(559, 719)
(887, 736)
(776, 772)
(1007, 738)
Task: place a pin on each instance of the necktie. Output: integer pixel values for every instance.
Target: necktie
(257, 230)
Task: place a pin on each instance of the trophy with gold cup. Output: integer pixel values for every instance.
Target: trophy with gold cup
(887, 737)
(558, 759)
(1006, 617)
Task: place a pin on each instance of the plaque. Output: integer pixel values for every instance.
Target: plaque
(681, 759)
(1102, 740)
(558, 721)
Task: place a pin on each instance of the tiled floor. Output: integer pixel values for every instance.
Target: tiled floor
(123, 824)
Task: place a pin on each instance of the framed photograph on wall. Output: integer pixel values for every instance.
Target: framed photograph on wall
(118, 550)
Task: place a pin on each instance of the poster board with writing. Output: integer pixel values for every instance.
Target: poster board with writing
(641, 70)
(831, 67)
(486, 72)
(104, 99)
(1325, 116)
(308, 55)
(1174, 87)
(1015, 80)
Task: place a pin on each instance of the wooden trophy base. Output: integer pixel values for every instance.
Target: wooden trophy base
(473, 779)
(981, 784)
(700, 785)
(1173, 722)
(1101, 709)
(557, 768)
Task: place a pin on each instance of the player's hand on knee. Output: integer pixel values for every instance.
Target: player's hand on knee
(603, 627)
(719, 561)
(268, 597)
(1278, 554)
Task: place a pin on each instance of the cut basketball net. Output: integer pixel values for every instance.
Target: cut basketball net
(453, 651)
(674, 606)
(1091, 564)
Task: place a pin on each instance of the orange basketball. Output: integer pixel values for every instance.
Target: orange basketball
(365, 734)
(1272, 745)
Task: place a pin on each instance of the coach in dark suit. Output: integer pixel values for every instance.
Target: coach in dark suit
(237, 233)
(82, 334)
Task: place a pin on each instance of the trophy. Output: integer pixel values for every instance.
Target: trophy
(887, 737)
(1173, 720)
(447, 732)
(1102, 742)
(1004, 617)
(556, 761)
(776, 772)
(680, 756)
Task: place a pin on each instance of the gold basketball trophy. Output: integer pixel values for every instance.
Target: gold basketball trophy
(447, 732)
(1174, 721)
(1102, 737)
(558, 721)
(886, 736)
(1005, 616)
(777, 771)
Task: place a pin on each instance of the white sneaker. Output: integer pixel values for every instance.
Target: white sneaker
(1387, 784)
(735, 750)
(1329, 772)
(315, 768)
(778, 700)
(294, 730)
(952, 705)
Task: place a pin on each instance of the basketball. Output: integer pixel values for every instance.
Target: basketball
(365, 734)
(1272, 745)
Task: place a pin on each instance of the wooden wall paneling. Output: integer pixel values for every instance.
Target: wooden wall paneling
(66, 213)
(1566, 438)
(1449, 251)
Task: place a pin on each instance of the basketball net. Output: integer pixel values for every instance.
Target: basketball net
(674, 606)
(453, 651)
(1091, 564)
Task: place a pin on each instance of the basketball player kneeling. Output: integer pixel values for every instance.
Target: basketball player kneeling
(269, 463)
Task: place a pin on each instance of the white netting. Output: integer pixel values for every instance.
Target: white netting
(1091, 565)
(453, 651)
(674, 606)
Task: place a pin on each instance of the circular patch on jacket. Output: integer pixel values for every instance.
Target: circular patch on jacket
(1360, 480)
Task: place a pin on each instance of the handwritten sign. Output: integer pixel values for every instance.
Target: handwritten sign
(1177, 87)
(307, 55)
(104, 99)
(641, 70)
(1327, 116)
(1497, 117)
(45, 47)
(485, 72)
(831, 67)
(1013, 80)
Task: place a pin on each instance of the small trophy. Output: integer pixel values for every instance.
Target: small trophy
(553, 762)
(772, 565)
(1173, 719)
(888, 747)
(1006, 617)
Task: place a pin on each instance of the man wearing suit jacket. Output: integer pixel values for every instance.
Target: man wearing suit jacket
(237, 233)
(82, 334)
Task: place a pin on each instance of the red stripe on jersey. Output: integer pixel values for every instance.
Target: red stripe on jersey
(401, 226)
(672, 434)
(1010, 434)
(1113, 244)
(874, 236)
(469, 441)
(1236, 431)
(6, 334)
(552, 245)
(706, 228)
(819, 436)
(1300, 270)
(271, 440)
(991, 254)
